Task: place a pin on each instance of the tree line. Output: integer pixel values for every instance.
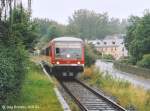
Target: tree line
(16, 37)
(137, 40)
(91, 25)
(83, 23)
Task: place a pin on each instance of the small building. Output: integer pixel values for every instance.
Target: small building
(113, 45)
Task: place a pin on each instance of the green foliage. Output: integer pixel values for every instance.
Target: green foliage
(53, 32)
(137, 40)
(12, 70)
(108, 56)
(13, 56)
(23, 27)
(133, 21)
(90, 25)
(3, 32)
(90, 57)
(97, 54)
(48, 30)
(145, 62)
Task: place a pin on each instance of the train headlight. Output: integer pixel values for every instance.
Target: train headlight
(68, 55)
(78, 62)
(57, 62)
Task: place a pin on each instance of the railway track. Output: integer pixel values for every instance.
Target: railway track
(87, 98)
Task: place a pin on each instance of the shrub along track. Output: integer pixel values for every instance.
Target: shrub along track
(87, 98)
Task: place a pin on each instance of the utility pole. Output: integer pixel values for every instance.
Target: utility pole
(10, 14)
(29, 6)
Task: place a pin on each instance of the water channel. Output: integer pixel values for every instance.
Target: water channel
(108, 68)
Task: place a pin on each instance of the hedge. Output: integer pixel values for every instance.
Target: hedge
(145, 62)
(12, 70)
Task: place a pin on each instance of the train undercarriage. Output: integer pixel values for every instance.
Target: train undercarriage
(66, 71)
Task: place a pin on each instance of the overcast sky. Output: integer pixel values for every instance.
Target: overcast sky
(60, 10)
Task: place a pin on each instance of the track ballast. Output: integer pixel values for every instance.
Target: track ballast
(87, 98)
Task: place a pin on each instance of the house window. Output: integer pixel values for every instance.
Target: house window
(98, 43)
(105, 43)
(113, 42)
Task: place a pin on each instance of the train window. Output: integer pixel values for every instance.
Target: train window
(113, 42)
(63, 49)
(98, 43)
(72, 52)
(47, 51)
(50, 50)
(57, 50)
(105, 43)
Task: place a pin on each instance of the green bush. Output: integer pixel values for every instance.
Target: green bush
(97, 53)
(90, 57)
(108, 56)
(12, 53)
(145, 62)
(12, 70)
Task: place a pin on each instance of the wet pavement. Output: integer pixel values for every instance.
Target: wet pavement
(107, 67)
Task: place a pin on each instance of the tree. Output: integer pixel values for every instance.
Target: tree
(48, 30)
(90, 57)
(145, 62)
(23, 27)
(137, 40)
(133, 22)
(15, 30)
(90, 25)
(53, 32)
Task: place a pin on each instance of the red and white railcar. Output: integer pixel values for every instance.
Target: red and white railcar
(66, 56)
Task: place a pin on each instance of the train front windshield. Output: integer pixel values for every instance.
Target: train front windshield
(68, 50)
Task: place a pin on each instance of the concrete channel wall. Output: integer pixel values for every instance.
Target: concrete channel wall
(132, 69)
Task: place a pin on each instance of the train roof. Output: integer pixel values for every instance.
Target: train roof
(68, 39)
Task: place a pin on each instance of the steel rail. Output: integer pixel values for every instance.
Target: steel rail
(82, 107)
(100, 96)
(117, 106)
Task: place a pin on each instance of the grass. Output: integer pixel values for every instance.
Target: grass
(73, 106)
(125, 93)
(37, 92)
